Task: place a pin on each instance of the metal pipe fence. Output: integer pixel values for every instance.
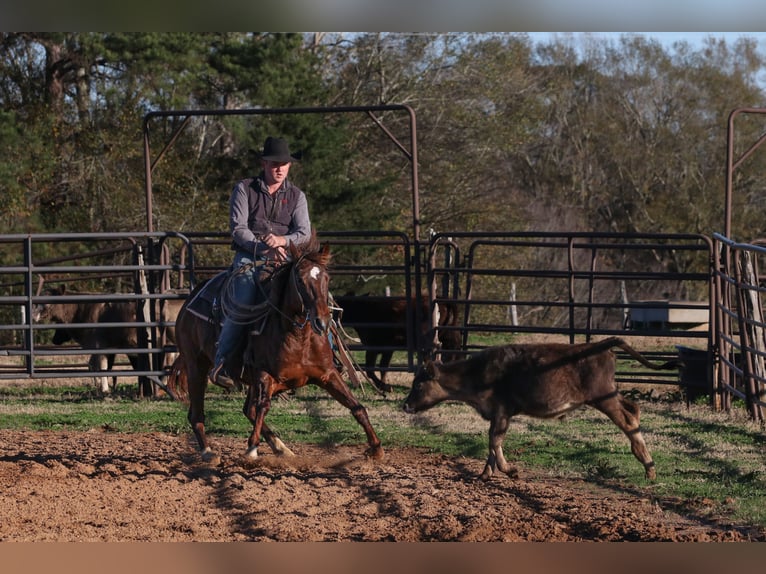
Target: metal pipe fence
(505, 287)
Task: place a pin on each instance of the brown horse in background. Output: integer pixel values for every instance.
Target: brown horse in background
(291, 351)
(102, 338)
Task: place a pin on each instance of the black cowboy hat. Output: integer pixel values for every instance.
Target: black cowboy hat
(276, 149)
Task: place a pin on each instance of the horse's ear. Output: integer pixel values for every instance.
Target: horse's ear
(294, 252)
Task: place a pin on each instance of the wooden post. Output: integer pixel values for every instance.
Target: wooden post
(624, 301)
(513, 317)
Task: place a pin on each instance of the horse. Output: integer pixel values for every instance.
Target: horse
(97, 337)
(290, 349)
(381, 323)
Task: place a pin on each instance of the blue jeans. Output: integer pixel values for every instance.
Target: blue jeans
(244, 291)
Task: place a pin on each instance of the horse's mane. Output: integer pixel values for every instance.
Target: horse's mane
(312, 250)
(311, 246)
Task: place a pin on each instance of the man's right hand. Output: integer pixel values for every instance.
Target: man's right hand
(275, 254)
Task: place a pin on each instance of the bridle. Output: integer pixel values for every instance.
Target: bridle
(295, 285)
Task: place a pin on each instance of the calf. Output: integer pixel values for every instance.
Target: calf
(543, 380)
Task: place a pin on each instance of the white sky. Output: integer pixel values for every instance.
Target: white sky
(391, 15)
(667, 38)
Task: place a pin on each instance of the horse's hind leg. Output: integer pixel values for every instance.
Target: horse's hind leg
(625, 414)
(338, 390)
(197, 382)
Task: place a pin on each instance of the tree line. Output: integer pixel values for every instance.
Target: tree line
(576, 133)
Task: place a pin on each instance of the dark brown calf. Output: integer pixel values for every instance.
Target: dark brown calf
(543, 380)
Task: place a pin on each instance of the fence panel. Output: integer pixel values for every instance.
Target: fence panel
(572, 286)
(740, 338)
(85, 269)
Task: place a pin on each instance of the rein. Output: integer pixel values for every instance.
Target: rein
(246, 314)
(294, 281)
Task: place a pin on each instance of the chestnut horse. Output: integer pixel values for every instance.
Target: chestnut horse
(291, 350)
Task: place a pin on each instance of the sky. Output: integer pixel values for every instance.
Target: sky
(696, 39)
(377, 15)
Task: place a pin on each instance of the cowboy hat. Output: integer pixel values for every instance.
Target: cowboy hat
(276, 149)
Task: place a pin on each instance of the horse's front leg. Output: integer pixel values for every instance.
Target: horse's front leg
(257, 405)
(277, 446)
(332, 382)
(100, 362)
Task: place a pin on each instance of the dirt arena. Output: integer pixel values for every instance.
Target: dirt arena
(106, 486)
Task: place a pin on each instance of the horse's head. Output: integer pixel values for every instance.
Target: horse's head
(312, 286)
(44, 312)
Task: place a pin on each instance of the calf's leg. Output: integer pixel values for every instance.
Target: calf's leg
(496, 460)
(101, 363)
(385, 362)
(625, 414)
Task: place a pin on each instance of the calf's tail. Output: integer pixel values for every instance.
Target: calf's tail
(618, 342)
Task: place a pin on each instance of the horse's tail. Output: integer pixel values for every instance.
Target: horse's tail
(178, 383)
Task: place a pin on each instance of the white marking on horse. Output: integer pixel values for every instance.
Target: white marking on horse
(314, 273)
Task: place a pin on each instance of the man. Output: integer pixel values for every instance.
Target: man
(266, 214)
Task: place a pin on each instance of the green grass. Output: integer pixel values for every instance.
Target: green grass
(707, 463)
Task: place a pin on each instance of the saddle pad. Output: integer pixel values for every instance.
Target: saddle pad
(206, 303)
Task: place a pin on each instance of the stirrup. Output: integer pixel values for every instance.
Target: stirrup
(219, 376)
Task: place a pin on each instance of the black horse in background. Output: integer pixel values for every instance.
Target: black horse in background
(381, 323)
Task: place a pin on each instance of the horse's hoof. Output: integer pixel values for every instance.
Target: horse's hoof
(375, 453)
(209, 457)
(512, 473)
(251, 453)
(280, 448)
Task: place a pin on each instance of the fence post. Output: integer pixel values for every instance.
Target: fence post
(754, 333)
(513, 316)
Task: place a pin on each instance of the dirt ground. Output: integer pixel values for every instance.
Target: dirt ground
(106, 486)
(112, 487)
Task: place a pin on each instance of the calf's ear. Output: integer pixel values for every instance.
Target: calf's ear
(431, 368)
